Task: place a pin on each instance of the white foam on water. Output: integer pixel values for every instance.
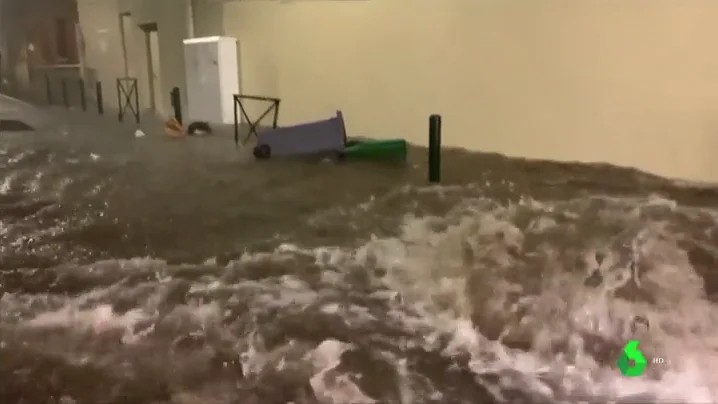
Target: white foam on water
(331, 387)
(7, 183)
(426, 267)
(19, 157)
(36, 183)
(429, 269)
(473, 264)
(98, 319)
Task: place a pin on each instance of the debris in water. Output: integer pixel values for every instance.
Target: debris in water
(199, 128)
(173, 128)
(594, 280)
(639, 322)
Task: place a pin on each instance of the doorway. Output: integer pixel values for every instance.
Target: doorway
(152, 49)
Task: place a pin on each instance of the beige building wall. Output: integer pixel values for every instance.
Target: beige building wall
(630, 82)
(173, 26)
(208, 19)
(100, 24)
(100, 21)
(173, 29)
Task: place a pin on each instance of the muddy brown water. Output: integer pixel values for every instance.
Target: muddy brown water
(144, 270)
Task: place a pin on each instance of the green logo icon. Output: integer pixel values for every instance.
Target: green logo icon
(632, 362)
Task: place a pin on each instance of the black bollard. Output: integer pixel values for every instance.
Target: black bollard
(176, 102)
(98, 97)
(65, 98)
(120, 107)
(435, 148)
(235, 101)
(137, 103)
(48, 89)
(83, 100)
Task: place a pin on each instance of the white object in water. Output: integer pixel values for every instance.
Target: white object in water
(139, 133)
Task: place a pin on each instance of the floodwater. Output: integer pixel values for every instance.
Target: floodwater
(148, 270)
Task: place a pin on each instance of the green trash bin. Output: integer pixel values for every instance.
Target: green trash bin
(392, 149)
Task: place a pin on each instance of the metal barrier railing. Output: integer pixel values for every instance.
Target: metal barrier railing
(253, 125)
(128, 98)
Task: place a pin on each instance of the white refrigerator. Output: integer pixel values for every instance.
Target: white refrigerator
(212, 72)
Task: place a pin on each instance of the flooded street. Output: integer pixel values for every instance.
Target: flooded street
(150, 270)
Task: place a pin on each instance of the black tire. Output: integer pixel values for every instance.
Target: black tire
(262, 152)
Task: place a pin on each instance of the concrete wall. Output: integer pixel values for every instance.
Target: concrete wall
(208, 19)
(629, 82)
(171, 17)
(100, 24)
(100, 21)
(173, 29)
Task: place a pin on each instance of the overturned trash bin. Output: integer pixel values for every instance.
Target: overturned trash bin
(308, 139)
(325, 138)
